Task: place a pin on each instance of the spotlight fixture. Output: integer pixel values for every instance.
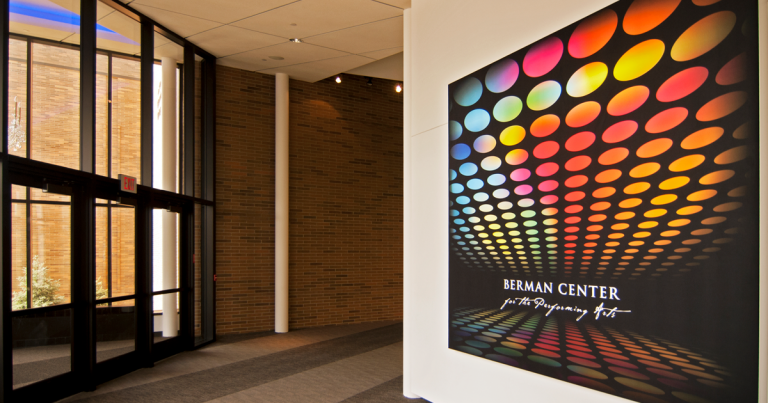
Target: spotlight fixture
(338, 79)
(370, 80)
(295, 40)
(398, 87)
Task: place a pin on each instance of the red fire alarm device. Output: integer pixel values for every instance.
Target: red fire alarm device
(127, 183)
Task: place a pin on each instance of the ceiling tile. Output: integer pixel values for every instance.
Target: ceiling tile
(314, 17)
(170, 49)
(181, 24)
(382, 53)
(318, 70)
(292, 53)
(397, 3)
(223, 11)
(364, 38)
(226, 40)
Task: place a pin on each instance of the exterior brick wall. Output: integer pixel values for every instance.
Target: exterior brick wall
(345, 202)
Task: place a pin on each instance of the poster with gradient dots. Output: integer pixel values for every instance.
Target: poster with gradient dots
(604, 204)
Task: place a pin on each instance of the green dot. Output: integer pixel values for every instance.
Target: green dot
(532, 232)
(530, 223)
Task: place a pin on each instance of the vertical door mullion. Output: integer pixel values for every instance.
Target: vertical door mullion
(83, 274)
(187, 277)
(143, 279)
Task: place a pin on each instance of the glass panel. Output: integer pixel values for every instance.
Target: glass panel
(165, 132)
(165, 270)
(53, 104)
(198, 125)
(55, 131)
(165, 322)
(41, 245)
(41, 346)
(115, 250)
(126, 117)
(17, 98)
(197, 264)
(115, 329)
(102, 114)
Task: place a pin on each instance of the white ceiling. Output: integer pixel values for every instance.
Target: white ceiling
(337, 35)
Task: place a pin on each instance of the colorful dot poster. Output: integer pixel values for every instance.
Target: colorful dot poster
(604, 204)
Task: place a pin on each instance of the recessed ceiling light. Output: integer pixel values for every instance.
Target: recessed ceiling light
(398, 87)
(277, 58)
(370, 80)
(295, 40)
(293, 24)
(338, 79)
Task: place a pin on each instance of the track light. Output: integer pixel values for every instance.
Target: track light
(370, 80)
(338, 79)
(398, 87)
(295, 40)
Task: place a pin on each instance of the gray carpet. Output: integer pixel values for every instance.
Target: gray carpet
(387, 392)
(205, 385)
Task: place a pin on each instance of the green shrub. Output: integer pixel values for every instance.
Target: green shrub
(45, 290)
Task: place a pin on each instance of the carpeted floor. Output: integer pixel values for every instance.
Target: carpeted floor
(353, 363)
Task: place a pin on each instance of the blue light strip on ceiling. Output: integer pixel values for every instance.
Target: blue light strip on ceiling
(50, 14)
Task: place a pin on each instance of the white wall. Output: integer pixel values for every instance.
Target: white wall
(450, 39)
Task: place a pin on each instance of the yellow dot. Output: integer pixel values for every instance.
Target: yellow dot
(689, 210)
(730, 156)
(702, 195)
(636, 188)
(643, 234)
(616, 236)
(716, 177)
(512, 135)
(679, 223)
(647, 169)
(629, 203)
(636, 243)
(655, 213)
(674, 183)
(647, 224)
(686, 163)
(663, 199)
(625, 215)
(619, 227)
(670, 233)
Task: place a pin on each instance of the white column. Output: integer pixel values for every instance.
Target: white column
(281, 203)
(407, 205)
(170, 315)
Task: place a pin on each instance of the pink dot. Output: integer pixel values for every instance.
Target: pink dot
(548, 186)
(580, 141)
(546, 149)
(520, 174)
(574, 196)
(523, 190)
(547, 169)
(543, 57)
(549, 199)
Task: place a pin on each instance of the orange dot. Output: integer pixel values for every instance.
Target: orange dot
(701, 138)
(670, 233)
(629, 203)
(591, 237)
(691, 241)
(593, 228)
(721, 106)
(613, 156)
(654, 148)
(663, 199)
(716, 177)
(701, 232)
(679, 223)
(580, 141)
(733, 72)
(686, 163)
(636, 243)
(682, 84)
(647, 169)
(645, 15)
(665, 242)
(620, 131)
(647, 224)
(578, 163)
(727, 207)
(702, 195)
(616, 236)
(545, 125)
(689, 210)
(655, 213)
(636, 188)
(576, 181)
(628, 100)
(600, 206)
(674, 183)
(730, 156)
(583, 114)
(597, 217)
(666, 120)
(516, 157)
(619, 227)
(592, 34)
(626, 215)
(703, 3)
(643, 234)
(713, 220)
(603, 192)
(738, 192)
(608, 176)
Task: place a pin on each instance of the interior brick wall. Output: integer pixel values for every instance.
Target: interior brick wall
(345, 202)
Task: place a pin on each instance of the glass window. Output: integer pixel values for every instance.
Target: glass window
(167, 101)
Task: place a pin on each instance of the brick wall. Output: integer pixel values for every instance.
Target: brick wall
(345, 202)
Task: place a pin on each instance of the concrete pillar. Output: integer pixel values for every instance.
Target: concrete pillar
(407, 300)
(169, 166)
(281, 203)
